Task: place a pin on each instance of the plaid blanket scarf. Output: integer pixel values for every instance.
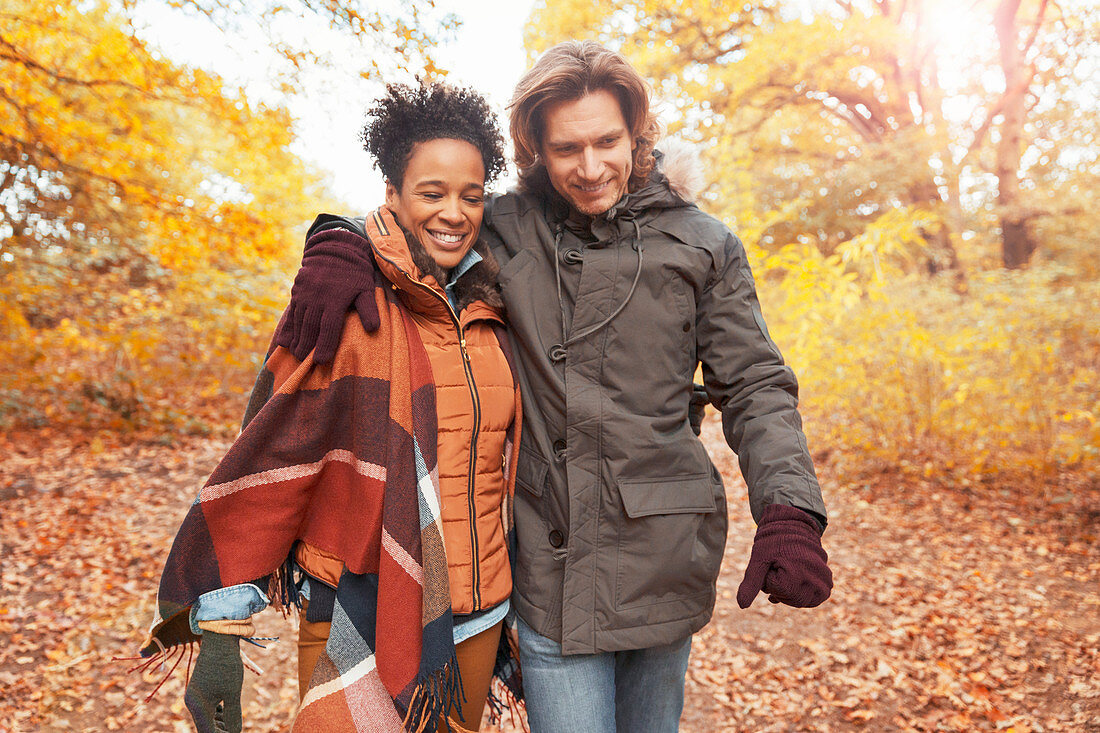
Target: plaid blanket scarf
(342, 456)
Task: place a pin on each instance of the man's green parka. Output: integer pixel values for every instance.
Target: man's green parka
(620, 514)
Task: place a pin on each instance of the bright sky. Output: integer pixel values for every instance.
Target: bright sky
(487, 53)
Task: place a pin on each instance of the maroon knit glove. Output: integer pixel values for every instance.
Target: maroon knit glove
(787, 561)
(337, 274)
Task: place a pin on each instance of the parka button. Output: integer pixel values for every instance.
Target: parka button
(556, 352)
(572, 256)
(559, 449)
(557, 539)
(686, 327)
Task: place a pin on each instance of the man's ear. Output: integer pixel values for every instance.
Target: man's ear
(391, 194)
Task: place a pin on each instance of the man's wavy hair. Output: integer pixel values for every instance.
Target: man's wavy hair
(567, 72)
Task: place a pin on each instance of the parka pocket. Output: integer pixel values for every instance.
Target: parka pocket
(531, 471)
(670, 540)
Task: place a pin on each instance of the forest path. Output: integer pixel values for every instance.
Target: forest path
(953, 610)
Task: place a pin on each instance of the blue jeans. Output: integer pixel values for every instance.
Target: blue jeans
(636, 691)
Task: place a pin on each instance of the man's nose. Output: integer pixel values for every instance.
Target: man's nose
(590, 164)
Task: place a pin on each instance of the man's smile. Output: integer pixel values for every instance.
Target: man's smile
(593, 188)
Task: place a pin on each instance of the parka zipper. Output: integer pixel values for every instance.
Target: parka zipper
(475, 563)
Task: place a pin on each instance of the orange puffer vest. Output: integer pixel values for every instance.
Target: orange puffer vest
(477, 404)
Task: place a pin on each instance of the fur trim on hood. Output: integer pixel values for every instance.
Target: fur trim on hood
(680, 163)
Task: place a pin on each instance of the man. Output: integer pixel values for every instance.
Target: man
(617, 287)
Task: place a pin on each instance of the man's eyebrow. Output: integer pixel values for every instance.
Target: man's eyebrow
(615, 132)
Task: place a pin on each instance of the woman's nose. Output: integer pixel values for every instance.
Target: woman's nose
(451, 211)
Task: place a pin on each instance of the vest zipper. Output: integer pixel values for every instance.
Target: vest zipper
(475, 562)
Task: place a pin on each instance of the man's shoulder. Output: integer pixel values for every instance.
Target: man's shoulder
(694, 227)
(513, 221)
(513, 203)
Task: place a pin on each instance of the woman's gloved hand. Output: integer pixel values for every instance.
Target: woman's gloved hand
(787, 560)
(213, 694)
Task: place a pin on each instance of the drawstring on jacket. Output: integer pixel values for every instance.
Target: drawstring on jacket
(558, 352)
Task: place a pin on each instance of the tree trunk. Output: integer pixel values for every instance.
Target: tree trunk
(942, 255)
(1017, 244)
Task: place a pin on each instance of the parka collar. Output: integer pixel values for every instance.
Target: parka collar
(409, 268)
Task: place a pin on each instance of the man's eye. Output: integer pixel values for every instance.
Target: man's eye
(475, 200)
(432, 196)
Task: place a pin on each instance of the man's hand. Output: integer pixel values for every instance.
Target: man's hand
(337, 273)
(787, 561)
(213, 695)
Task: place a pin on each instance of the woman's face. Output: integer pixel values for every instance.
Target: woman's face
(442, 198)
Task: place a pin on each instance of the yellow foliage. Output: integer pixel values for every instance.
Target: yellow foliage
(150, 224)
(852, 154)
(911, 374)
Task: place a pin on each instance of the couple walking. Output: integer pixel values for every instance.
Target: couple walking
(470, 453)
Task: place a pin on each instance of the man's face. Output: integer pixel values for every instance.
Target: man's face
(588, 151)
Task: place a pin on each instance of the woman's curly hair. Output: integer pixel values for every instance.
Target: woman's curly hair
(408, 115)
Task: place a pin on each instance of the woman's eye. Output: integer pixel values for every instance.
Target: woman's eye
(431, 196)
(475, 200)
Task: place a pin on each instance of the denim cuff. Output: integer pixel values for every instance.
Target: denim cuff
(470, 625)
(237, 602)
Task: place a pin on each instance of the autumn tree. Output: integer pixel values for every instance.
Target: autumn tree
(150, 214)
(858, 145)
(822, 119)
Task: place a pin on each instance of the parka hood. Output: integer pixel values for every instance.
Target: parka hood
(477, 283)
(675, 181)
(404, 261)
(679, 163)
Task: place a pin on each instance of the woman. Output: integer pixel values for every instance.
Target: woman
(374, 491)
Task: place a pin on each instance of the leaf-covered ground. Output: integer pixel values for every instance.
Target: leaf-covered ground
(955, 609)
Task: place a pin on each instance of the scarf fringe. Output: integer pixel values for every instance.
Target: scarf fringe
(503, 698)
(436, 695)
(506, 688)
(161, 659)
(282, 589)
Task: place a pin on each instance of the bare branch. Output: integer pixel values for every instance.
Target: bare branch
(1035, 28)
(15, 57)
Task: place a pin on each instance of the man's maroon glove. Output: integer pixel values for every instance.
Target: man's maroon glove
(787, 560)
(337, 274)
